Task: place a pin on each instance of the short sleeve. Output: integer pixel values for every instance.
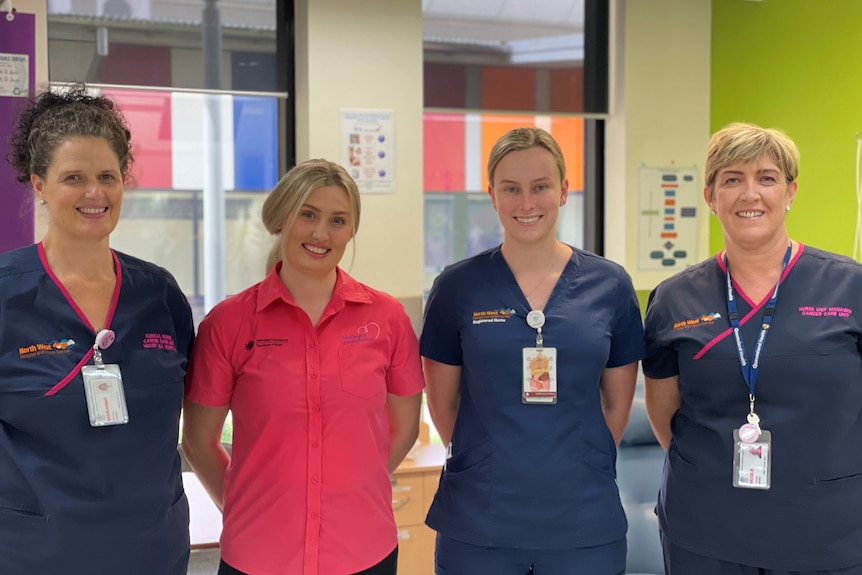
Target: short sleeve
(210, 377)
(441, 339)
(404, 376)
(661, 360)
(627, 343)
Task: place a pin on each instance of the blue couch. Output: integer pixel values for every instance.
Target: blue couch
(639, 469)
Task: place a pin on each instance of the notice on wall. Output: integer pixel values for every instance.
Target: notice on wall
(367, 148)
(669, 199)
(15, 75)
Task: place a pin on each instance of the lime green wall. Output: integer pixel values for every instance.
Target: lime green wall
(796, 65)
(643, 297)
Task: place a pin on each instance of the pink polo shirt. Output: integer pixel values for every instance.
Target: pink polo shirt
(308, 489)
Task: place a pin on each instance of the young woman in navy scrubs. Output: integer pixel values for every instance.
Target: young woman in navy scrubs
(530, 353)
(93, 351)
(764, 469)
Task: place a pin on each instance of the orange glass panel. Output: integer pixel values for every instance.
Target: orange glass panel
(569, 133)
(494, 126)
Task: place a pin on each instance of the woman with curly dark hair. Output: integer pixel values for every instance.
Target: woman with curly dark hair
(93, 351)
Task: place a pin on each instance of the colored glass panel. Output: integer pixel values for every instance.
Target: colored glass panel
(508, 88)
(255, 150)
(149, 117)
(567, 90)
(569, 134)
(494, 126)
(443, 153)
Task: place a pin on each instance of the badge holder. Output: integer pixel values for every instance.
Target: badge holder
(103, 386)
(752, 454)
(539, 378)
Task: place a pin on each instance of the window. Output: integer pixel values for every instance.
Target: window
(203, 88)
(459, 218)
(492, 67)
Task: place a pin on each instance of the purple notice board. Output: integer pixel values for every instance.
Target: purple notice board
(16, 216)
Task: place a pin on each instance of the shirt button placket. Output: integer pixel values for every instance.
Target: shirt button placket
(315, 463)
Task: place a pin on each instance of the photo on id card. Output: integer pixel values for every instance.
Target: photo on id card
(539, 378)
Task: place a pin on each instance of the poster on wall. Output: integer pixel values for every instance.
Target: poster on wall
(15, 75)
(668, 200)
(367, 149)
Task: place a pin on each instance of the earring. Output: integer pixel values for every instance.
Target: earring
(788, 207)
(712, 211)
(43, 202)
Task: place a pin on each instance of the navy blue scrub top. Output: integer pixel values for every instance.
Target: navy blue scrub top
(74, 498)
(809, 396)
(531, 476)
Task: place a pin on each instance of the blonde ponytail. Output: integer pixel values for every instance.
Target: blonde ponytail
(274, 255)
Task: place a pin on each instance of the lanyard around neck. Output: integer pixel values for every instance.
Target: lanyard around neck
(750, 370)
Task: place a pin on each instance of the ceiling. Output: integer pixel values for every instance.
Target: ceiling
(497, 32)
(527, 32)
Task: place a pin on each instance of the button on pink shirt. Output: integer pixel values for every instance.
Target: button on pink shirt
(308, 489)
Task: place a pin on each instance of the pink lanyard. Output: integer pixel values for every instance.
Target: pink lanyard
(114, 298)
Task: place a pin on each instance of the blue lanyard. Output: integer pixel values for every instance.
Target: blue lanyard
(749, 370)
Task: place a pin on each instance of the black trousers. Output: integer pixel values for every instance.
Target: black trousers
(386, 567)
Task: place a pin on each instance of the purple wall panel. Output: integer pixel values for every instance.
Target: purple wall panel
(16, 214)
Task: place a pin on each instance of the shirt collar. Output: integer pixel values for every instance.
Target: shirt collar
(347, 289)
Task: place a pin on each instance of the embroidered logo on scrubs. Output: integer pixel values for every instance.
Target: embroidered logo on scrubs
(159, 341)
(53, 348)
(366, 332)
(493, 316)
(831, 311)
(705, 319)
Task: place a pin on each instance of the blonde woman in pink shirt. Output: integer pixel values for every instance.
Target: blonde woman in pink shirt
(322, 375)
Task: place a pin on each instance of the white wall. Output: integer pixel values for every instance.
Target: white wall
(368, 54)
(660, 88)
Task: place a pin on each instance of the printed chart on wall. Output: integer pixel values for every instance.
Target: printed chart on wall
(367, 150)
(667, 217)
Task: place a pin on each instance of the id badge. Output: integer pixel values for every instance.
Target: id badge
(106, 401)
(752, 462)
(539, 382)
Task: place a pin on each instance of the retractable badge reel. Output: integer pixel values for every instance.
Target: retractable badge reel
(103, 386)
(539, 378)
